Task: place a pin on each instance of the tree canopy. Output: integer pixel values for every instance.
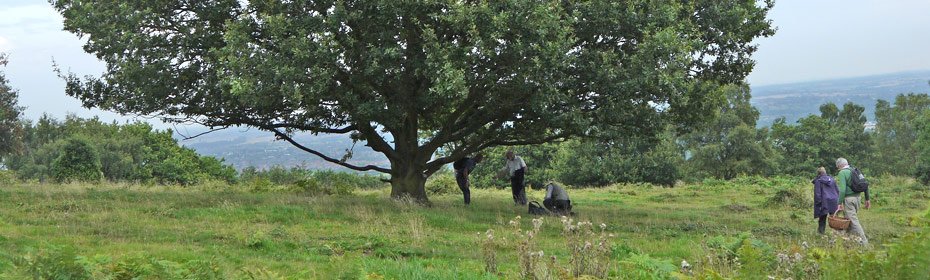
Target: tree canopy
(411, 77)
(10, 115)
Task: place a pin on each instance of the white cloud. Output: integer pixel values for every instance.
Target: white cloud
(20, 15)
(5, 45)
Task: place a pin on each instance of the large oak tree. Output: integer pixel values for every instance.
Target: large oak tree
(412, 77)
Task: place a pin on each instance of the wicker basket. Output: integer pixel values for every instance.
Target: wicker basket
(837, 222)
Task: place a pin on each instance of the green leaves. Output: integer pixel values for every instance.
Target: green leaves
(10, 116)
(78, 161)
(89, 150)
(469, 75)
(731, 145)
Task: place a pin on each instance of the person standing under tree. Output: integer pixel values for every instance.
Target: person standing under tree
(849, 200)
(516, 168)
(463, 167)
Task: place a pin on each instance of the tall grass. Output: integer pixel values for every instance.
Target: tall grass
(727, 229)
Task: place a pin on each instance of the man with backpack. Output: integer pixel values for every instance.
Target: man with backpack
(851, 183)
(463, 167)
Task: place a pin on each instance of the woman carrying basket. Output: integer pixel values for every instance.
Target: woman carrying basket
(825, 198)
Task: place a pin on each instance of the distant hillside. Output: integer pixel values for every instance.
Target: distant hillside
(797, 100)
(243, 148)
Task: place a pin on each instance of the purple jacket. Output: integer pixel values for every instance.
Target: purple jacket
(825, 195)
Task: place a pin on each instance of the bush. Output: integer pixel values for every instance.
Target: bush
(64, 263)
(7, 177)
(78, 161)
(442, 184)
(794, 197)
(641, 266)
(319, 187)
(309, 181)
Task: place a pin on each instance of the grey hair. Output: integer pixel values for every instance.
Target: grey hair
(841, 162)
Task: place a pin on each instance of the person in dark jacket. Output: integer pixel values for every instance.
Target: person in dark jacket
(463, 167)
(825, 198)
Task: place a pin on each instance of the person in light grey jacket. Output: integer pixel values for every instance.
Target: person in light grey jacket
(556, 200)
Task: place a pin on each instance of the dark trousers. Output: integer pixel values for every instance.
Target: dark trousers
(558, 206)
(518, 187)
(462, 180)
(822, 224)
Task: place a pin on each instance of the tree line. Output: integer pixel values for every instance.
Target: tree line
(87, 149)
(727, 145)
(731, 145)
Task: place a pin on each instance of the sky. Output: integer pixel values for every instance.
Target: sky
(816, 40)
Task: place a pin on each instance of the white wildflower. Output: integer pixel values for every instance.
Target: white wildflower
(537, 223)
(782, 257)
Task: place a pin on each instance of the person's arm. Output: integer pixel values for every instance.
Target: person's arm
(842, 183)
(841, 187)
(523, 165)
(818, 194)
(548, 192)
(867, 203)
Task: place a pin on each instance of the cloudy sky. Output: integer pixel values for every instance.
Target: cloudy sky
(816, 40)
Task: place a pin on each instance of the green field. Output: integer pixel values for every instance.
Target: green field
(89, 231)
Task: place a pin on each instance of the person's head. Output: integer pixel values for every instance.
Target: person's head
(841, 163)
(509, 155)
(478, 158)
(821, 171)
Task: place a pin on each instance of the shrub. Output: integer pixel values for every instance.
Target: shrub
(442, 184)
(591, 251)
(64, 263)
(642, 266)
(7, 177)
(320, 187)
(78, 161)
(792, 196)
(308, 181)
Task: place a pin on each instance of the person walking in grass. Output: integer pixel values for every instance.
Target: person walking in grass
(848, 199)
(463, 167)
(556, 200)
(825, 198)
(515, 167)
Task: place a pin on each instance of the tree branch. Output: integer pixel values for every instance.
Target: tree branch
(285, 137)
(200, 134)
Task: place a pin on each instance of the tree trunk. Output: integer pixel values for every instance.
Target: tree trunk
(408, 182)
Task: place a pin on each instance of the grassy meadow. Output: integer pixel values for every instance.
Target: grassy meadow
(113, 231)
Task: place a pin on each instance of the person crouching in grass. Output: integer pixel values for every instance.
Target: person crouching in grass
(556, 200)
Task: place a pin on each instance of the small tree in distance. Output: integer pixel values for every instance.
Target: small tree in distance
(411, 77)
(78, 161)
(10, 116)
